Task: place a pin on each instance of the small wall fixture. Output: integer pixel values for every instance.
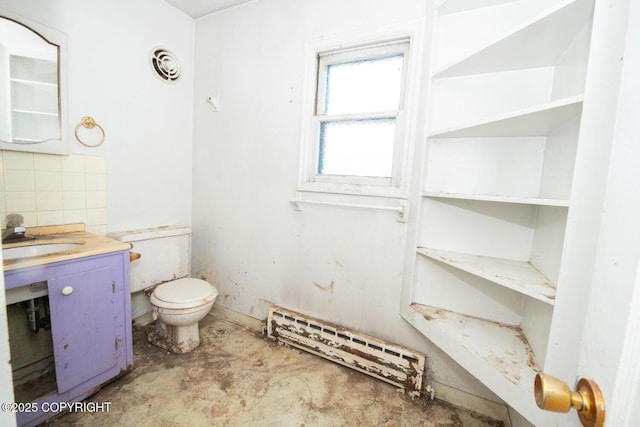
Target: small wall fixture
(89, 123)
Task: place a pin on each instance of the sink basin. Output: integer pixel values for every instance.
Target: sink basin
(37, 250)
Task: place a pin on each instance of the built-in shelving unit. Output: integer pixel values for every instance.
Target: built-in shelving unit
(34, 98)
(507, 96)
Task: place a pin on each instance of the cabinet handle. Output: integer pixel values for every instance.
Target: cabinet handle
(67, 290)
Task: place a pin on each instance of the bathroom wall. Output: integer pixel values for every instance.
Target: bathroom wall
(343, 265)
(148, 123)
(146, 156)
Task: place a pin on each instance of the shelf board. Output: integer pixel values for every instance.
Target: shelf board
(497, 354)
(445, 7)
(519, 276)
(537, 201)
(33, 82)
(536, 43)
(538, 120)
(39, 113)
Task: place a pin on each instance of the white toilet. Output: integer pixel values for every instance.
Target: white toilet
(177, 302)
(178, 306)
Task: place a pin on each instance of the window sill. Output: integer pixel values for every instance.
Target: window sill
(354, 190)
(321, 194)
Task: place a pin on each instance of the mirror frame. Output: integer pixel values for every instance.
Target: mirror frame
(54, 37)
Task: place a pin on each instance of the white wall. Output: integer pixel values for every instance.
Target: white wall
(148, 123)
(338, 264)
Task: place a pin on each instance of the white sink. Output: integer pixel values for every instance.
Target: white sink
(37, 250)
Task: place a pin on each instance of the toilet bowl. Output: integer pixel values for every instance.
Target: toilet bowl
(177, 307)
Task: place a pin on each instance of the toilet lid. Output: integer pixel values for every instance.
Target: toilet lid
(186, 291)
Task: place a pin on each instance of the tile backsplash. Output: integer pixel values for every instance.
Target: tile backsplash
(49, 189)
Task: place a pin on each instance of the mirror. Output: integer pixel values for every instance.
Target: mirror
(31, 82)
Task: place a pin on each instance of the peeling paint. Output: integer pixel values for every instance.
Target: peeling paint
(383, 360)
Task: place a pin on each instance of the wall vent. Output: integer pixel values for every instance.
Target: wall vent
(166, 65)
(388, 362)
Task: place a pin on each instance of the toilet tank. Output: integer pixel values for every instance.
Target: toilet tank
(165, 254)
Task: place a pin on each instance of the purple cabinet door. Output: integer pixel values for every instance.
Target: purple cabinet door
(83, 318)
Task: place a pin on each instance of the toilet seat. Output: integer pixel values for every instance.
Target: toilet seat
(183, 293)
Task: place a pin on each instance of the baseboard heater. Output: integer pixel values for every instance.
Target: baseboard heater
(388, 362)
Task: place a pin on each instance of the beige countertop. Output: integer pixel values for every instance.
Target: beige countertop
(91, 244)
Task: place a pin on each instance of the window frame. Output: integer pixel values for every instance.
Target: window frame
(323, 52)
(341, 56)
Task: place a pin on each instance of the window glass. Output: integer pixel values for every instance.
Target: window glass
(357, 147)
(358, 101)
(364, 86)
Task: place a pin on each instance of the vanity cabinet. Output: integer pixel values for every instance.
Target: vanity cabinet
(90, 310)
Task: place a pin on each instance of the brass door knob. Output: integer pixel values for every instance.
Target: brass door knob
(553, 394)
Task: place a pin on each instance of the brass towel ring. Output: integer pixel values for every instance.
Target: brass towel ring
(89, 123)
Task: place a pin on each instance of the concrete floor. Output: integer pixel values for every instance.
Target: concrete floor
(238, 378)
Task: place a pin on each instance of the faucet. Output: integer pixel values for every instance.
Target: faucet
(15, 230)
(13, 233)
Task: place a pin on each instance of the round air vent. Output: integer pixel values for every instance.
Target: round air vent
(166, 65)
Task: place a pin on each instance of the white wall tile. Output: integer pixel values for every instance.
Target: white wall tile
(50, 217)
(48, 181)
(73, 163)
(74, 200)
(49, 189)
(20, 201)
(73, 181)
(19, 180)
(72, 216)
(94, 164)
(17, 160)
(47, 162)
(3, 208)
(49, 201)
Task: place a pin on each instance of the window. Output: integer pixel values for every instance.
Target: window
(359, 100)
(355, 136)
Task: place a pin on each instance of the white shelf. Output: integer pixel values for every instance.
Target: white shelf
(39, 113)
(33, 82)
(536, 43)
(537, 201)
(518, 276)
(497, 354)
(445, 7)
(538, 120)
